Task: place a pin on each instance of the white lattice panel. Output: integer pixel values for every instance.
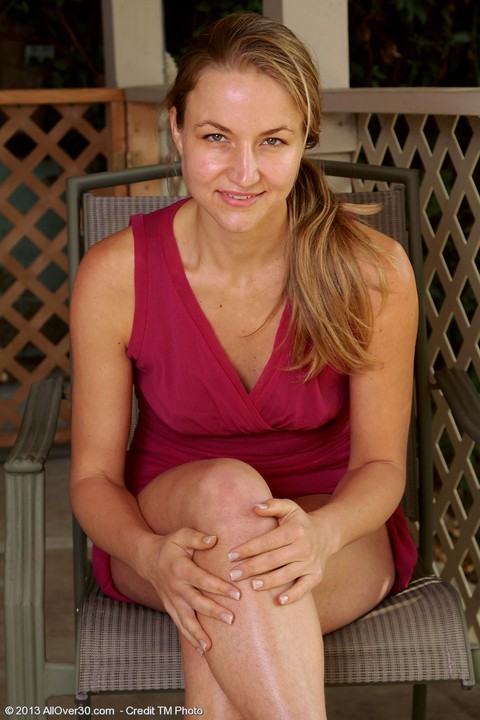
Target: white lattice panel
(446, 151)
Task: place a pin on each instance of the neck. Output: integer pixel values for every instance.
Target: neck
(238, 253)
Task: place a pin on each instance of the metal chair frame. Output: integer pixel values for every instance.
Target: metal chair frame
(35, 679)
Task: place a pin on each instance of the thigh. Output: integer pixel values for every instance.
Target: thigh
(356, 578)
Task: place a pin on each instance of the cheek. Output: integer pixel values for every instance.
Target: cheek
(285, 171)
(202, 166)
(199, 176)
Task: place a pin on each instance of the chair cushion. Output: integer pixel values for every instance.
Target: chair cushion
(417, 635)
(126, 647)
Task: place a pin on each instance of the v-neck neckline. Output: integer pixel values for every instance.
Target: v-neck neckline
(195, 310)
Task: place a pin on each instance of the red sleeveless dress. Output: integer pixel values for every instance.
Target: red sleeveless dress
(194, 406)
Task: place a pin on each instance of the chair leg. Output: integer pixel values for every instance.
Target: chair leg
(82, 699)
(23, 594)
(419, 703)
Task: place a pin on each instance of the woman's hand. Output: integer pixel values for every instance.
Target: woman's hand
(181, 584)
(294, 553)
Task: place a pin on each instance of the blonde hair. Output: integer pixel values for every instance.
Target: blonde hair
(332, 316)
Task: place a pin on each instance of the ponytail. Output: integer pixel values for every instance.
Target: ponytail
(332, 315)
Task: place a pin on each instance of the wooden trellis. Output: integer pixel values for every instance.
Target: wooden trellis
(45, 136)
(438, 133)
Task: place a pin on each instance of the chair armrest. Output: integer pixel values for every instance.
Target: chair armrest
(37, 430)
(24, 601)
(462, 398)
(24, 495)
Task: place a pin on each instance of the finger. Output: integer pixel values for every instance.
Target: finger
(191, 540)
(188, 572)
(269, 563)
(187, 623)
(195, 540)
(208, 607)
(298, 590)
(201, 644)
(276, 579)
(184, 615)
(206, 582)
(272, 540)
(275, 507)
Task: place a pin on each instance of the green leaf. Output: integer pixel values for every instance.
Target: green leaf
(461, 38)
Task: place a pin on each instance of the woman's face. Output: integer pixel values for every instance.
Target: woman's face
(241, 144)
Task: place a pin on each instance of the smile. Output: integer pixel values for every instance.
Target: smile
(239, 197)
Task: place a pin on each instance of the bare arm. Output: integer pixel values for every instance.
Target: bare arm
(371, 489)
(380, 408)
(101, 321)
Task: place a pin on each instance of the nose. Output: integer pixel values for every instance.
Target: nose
(243, 168)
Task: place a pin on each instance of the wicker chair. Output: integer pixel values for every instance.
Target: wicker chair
(416, 637)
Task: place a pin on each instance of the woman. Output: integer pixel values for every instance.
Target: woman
(270, 336)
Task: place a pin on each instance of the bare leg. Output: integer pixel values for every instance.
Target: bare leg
(269, 663)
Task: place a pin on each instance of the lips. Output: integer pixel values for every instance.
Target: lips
(240, 198)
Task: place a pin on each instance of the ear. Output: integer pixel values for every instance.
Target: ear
(176, 132)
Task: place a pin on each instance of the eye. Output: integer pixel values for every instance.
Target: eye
(273, 142)
(215, 137)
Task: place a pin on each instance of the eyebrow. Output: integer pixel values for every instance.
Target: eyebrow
(224, 129)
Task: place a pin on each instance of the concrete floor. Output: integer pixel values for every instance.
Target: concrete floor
(446, 701)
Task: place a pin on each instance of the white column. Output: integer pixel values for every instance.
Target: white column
(134, 43)
(323, 26)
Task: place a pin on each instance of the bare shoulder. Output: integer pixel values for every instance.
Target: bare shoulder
(110, 261)
(103, 291)
(395, 264)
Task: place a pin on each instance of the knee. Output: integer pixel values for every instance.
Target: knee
(229, 489)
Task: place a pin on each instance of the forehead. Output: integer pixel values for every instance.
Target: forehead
(232, 92)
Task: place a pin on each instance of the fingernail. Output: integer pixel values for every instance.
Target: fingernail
(204, 645)
(235, 594)
(236, 574)
(257, 584)
(283, 599)
(262, 506)
(208, 539)
(233, 556)
(227, 618)
(199, 650)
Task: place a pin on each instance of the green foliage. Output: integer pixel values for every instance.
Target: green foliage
(395, 43)
(414, 43)
(188, 19)
(72, 27)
